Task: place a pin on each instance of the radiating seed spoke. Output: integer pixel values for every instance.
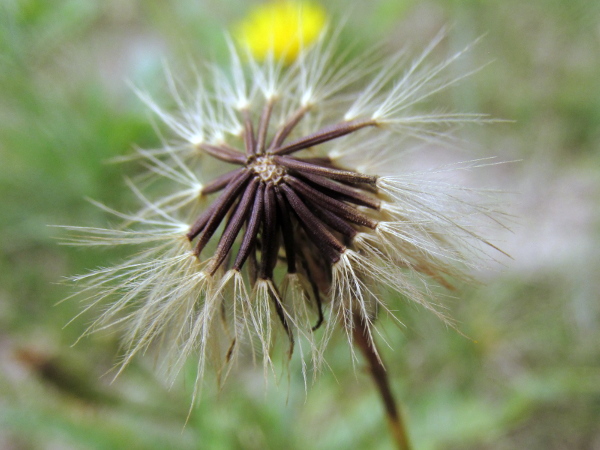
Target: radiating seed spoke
(224, 153)
(222, 202)
(315, 288)
(288, 127)
(270, 243)
(249, 239)
(202, 219)
(234, 226)
(323, 239)
(336, 174)
(217, 216)
(221, 182)
(333, 221)
(284, 322)
(350, 194)
(325, 134)
(348, 212)
(320, 161)
(287, 231)
(249, 138)
(263, 127)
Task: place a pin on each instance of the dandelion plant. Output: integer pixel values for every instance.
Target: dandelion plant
(292, 234)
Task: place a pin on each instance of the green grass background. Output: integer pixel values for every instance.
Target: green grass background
(528, 378)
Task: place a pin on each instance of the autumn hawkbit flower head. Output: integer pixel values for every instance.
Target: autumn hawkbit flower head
(277, 209)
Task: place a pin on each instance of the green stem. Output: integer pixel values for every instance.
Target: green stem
(380, 377)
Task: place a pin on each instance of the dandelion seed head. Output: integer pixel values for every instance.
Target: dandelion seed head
(271, 228)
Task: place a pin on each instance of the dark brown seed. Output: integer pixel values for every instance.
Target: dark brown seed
(200, 222)
(252, 264)
(333, 221)
(249, 139)
(323, 135)
(350, 194)
(226, 197)
(224, 153)
(282, 318)
(249, 239)
(287, 231)
(313, 283)
(270, 243)
(348, 212)
(320, 161)
(221, 181)
(234, 226)
(263, 127)
(230, 351)
(323, 239)
(213, 223)
(288, 127)
(335, 174)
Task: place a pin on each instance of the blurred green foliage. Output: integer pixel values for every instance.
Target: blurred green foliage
(530, 376)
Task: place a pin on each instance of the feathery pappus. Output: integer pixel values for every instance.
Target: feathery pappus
(277, 209)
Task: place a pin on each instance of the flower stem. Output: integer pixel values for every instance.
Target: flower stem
(380, 377)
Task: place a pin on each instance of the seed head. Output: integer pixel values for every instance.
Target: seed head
(282, 233)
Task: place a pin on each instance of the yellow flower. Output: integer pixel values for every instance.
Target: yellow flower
(281, 28)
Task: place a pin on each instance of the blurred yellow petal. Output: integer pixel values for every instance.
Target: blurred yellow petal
(281, 28)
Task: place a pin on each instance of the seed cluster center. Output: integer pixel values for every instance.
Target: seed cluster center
(267, 170)
(273, 191)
